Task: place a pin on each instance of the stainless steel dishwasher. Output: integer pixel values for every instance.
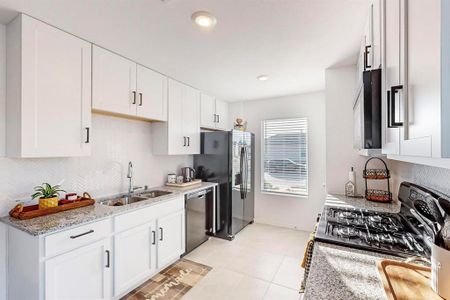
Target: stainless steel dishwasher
(199, 217)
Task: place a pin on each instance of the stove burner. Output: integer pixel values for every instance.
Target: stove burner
(382, 232)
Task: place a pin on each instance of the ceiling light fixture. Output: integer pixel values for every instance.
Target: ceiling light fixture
(262, 77)
(204, 19)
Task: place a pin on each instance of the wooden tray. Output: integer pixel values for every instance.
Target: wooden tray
(404, 281)
(29, 212)
(185, 184)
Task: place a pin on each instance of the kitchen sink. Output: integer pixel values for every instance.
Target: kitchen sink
(154, 194)
(123, 200)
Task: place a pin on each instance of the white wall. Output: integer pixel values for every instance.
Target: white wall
(340, 88)
(294, 212)
(2, 88)
(2, 151)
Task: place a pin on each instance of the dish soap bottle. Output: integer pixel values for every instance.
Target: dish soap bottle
(350, 186)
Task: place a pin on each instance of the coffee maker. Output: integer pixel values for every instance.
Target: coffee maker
(188, 174)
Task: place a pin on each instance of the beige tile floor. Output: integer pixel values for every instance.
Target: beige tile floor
(262, 262)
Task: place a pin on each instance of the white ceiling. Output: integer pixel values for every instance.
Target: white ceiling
(293, 41)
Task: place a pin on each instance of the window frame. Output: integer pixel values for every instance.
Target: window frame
(263, 151)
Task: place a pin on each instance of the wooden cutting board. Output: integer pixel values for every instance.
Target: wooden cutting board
(404, 281)
(185, 184)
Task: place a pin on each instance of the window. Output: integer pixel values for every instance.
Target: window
(285, 156)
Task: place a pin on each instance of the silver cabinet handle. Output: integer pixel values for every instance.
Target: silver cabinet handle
(108, 259)
(215, 118)
(81, 234)
(218, 118)
(153, 237)
(188, 141)
(161, 236)
(184, 145)
(134, 97)
(87, 136)
(140, 99)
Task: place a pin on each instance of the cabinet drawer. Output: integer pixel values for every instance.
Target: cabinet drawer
(144, 215)
(76, 237)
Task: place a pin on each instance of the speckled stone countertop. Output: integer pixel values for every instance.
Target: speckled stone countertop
(344, 273)
(362, 203)
(76, 217)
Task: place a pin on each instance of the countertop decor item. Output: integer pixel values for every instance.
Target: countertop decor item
(185, 184)
(240, 124)
(33, 211)
(350, 186)
(403, 280)
(377, 174)
(47, 194)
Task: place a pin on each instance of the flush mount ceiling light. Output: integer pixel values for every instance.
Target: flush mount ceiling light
(204, 19)
(262, 77)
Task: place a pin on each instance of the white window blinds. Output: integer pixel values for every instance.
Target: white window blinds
(285, 156)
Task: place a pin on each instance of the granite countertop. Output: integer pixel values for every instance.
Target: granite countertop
(344, 273)
(76, 217)
(362, 203)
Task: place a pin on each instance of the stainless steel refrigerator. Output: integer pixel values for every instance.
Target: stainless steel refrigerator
(227, 157)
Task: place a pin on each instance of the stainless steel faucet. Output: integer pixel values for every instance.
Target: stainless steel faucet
(131, 188)
(130, 177)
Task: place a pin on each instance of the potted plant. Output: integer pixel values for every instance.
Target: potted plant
(47, 194)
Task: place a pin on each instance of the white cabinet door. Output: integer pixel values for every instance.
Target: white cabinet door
(392, 37)
(376, 34)
(222, 114)
(208, 117)
(176, 140)
(421, 105)
(171, 241)
(135, 257)
(84, 273)
(191, 120)
(152, 94)
(49, 98)
(113, 83)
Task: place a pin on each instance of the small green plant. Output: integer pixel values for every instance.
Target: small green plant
(47, 191)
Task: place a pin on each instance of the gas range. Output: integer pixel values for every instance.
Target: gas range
(370, 230)
(400, 234)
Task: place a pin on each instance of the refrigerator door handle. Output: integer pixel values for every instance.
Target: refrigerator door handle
(246, 172)
(241, 184)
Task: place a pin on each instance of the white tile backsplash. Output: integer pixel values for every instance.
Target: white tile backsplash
(436, 178)
(115, 142)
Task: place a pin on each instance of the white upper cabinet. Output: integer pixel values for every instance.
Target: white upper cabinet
(152, 94)
(421, 104)
(392, 36)
(222, 114)
(416, 105)
(181, 134)
(370, 49)
(214, 113)
(120, 86)
(113, 83)
(48, 91)
(208, 115)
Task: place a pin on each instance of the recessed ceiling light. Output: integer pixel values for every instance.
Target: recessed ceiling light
(204, 19)
(262, 77)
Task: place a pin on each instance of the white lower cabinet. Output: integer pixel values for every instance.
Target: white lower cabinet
(96, 261)
(135, 256)
(84, 273)
(170, 238)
